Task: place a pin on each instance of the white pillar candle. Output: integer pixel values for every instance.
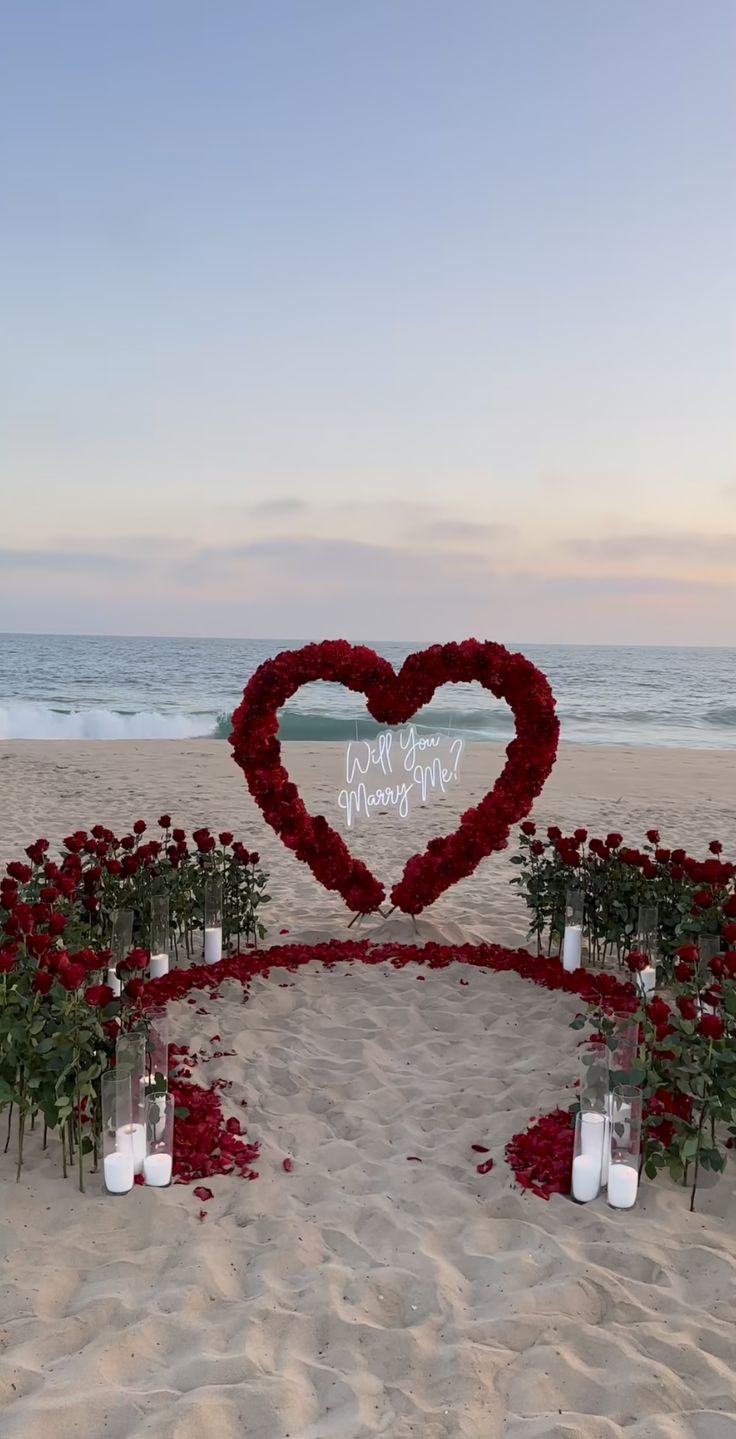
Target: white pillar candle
(648, 979)
(131, 1138)
(586, 1177)
(158, 966)
(592, 1134)
(213, 945)
(157, 1170)
(623, 1183)
(114, 983)
(572, 947)
(119, 1171)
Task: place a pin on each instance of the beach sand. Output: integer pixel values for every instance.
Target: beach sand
(366, 1293)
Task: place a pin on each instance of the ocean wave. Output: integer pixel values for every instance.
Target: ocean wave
(724, 715)
(30, 721)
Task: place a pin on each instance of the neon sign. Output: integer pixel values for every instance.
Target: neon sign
(397, 769)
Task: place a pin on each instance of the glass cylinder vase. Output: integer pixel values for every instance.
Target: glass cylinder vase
(572, 941)
(157, 1048)
(587, 1164)
(623, 1169)
(131, 1061)
(212, 919)
(121, 943)
(160, 941)
(158, 1163)
(118, 1161)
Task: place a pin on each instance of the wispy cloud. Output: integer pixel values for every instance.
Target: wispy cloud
(71, 561)
(662, 546)
(282, 507)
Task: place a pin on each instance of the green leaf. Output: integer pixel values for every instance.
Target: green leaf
(181, 1112)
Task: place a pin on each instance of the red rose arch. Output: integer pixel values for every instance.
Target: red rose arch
(392, 699)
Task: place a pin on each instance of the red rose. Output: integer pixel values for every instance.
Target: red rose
(226, 838)
(139, 827)
(98, 996)
(729, 933)
(7, 961)
(134, 988)
(717, 967)
(114, 867)
(683, 971)
(178, 835)
(580, 836)
(165, 821)
(729, 908)
(255, 857)
(715, 846)
(711, 1027)
(658, 1011)
(72, 976)
(649, 870)
(42, 981)
(661, 856)
(653, 836)
(537, 848)
(687, 1007)
(614, 840)
(554, 832)
(703, 898)
(20, 872)
(729, 964)
(689, 952)
(529, 827)
(637, 961)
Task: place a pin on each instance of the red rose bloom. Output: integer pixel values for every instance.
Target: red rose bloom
(614, 840)
(98, 996)
(717, 967)
(661, 856)
(580, 836)
(7, 961)
(715, 846)
(703, 898)
(653, 836)
(20, 872)
(178, 835)
(637, 961)
(554, 832)
(711, 1027)
(134, 988)
(729, 963)
(529, 827)
(729, 908)
(658, 1011)
(226, 838)
(165, 821)
(683, 971)
(72, 976)
(537, 848)
(42, 981)
(139, 827)
(687, 1007)
(729, 933)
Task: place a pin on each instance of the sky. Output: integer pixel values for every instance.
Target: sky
(388, 318)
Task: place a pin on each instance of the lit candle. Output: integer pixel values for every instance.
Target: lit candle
(648, 978)
(157, 1170)
(213, 944)
(114, 982)
(131, 1139)
(623, 1183)
(586, 1177)
(572, 947)
(158, 966)
(119, 1171)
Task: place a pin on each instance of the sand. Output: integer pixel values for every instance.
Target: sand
(365, 1293)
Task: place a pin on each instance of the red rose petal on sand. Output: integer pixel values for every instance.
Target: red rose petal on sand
(485, 1168)
(480, 1148)
(414, 1158)
(202, 1215)
(203, 1193)
(288, 1165)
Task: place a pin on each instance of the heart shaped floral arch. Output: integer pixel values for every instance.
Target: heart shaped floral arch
(393, 698)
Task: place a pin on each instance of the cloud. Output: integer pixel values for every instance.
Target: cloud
(69, 561)
(285, 506)
(461, 532)
(638, 547)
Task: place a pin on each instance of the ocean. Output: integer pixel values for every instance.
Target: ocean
(99, 688)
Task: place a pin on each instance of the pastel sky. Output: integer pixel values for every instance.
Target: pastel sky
(389, 318)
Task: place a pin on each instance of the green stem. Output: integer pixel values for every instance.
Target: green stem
(703, 1114)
